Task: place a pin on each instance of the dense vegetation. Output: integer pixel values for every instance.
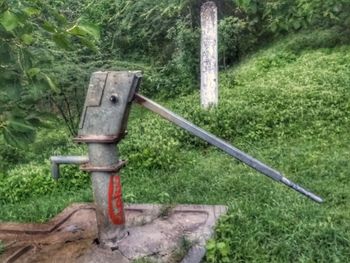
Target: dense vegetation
(46, 54)
(286, 102)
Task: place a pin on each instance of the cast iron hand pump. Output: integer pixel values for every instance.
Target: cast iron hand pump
(103, 125)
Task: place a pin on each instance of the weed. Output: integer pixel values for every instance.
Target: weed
(143, 260)
(181, 251)
(165, 211)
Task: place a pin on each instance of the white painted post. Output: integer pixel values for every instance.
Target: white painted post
(209, 55)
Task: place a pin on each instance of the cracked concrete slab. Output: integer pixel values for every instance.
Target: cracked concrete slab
(155, 232)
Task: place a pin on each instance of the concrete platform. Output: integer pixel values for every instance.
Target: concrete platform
(157, 233)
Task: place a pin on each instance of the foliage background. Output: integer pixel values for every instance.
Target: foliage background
(284, 99)
(47, 54)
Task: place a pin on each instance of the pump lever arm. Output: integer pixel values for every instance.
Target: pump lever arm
(223, 145)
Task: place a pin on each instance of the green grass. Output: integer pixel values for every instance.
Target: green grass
(287, 105)
(42, 208)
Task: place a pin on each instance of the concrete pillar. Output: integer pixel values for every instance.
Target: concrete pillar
(209, 55)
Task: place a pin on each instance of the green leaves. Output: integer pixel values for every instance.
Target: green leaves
(31, 11)
(32, 72)
(18, 131)
(20, 126)
(9, 20)
(84, 32)
(217, 252)
(27, 39)
(51, 84)
(49, 27)
(61, 40)
(27, 31)
(85, 29)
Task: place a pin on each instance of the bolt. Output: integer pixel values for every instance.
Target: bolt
(114, 98)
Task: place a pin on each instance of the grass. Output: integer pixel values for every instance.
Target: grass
(287, 105)
(42, 208)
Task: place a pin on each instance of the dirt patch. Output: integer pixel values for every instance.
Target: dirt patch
(178, 236)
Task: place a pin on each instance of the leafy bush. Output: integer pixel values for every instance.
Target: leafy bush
(163, 35)
(10, 156)
(49, 141)
(34, 180)
(237, 37)
(279, 17)
(26, 181)
(179, 75)
(279, 91)
(150, 144)
(24, 26)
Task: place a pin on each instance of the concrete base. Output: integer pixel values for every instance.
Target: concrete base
(155, 232)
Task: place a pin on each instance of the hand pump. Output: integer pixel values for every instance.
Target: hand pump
(103, 125)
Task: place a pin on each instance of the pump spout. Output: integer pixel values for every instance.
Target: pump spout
(57, 160)
(223, 145)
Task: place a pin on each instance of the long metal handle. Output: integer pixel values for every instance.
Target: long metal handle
(221, 144)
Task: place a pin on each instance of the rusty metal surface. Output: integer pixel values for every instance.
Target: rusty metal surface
(99, 138)
(112, 168)
(223, 145)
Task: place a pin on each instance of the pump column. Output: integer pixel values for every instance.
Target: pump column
(102, 126)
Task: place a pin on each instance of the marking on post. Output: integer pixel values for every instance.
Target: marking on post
(115, 201)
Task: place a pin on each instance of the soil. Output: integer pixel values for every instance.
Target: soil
(154, 232)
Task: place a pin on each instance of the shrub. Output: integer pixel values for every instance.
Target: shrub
(237, 37)
(280, 17)
(281, 91)
(34, 180)
(26, 181)
(150, 144)
(10, 155)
